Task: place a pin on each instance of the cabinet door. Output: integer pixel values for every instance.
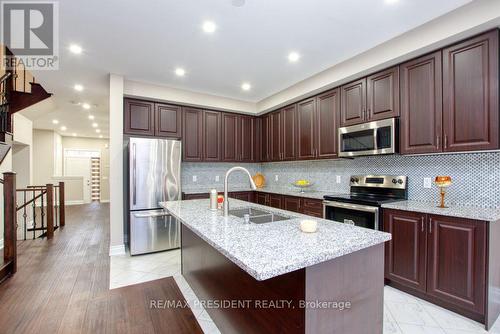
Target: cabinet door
(288, 133)
(470, 94)
(230, 140)
(421, 105)
(246, 139)
(168, 120)
(195, 196)
(305, 129)
(262, 198)
(457, 253)
(257, 138)
(312, 207)
(265, 144)
(275, 135)
(192, 134)
(139, 118)
(293, 204)
(212, 135)
(327, 124)
(383, 94)
(242, 195)
(405, 254)
(276, 201)
(353, 108)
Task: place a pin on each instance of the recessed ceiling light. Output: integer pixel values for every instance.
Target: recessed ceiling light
(97, 131)
(180, 72)
(75, 48)
(78, 87)
(293, 57)
(95, 125)
(91, 117)
(100, 136)
(391, 2)
(209, 26)
(63, 128)
(246, 86)
(74, 134)
(55, 121)
(86, 106)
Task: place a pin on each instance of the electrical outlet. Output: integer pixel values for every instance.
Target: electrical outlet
(276, 178)
(338, 178)
(427, 182)
(217, 178)
(195, 178)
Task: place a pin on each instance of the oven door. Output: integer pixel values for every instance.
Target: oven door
(353, 214)
(378, 137)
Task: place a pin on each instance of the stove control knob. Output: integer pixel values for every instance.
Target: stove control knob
(394, 181)
(400, 181)
(356, 180)
(352, 180)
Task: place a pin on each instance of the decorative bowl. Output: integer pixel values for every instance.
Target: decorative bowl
(302, 186)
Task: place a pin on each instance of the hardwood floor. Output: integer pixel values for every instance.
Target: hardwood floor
(62, 286)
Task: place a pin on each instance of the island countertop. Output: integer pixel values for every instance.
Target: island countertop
(271, 249)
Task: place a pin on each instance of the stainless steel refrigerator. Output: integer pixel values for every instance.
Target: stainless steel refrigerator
(154, 176)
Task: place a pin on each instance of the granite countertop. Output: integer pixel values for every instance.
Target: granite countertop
(272, 249)
(469, 212)
(308, 193)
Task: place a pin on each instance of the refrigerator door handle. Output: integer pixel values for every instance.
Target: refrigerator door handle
(134, 175)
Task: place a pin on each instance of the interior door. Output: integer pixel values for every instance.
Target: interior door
(79, 166)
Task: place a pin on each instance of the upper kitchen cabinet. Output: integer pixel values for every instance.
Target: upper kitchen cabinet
(306, 117)
(470, 94)
(192, 134)
(327, 123)
(212, 135)
(265, 136)
(353, 110)
(373, 98)
(139, 117)
(421, 105)
(288, 127)
(168, 120)
(230, 138)
(246, 138)
(383, 94)
(275, 132)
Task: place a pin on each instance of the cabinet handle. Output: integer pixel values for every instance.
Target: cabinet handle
(422, 224)
(445, 141)
(430, 225)
(438, 141)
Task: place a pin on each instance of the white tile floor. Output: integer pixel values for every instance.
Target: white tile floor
(403, 313)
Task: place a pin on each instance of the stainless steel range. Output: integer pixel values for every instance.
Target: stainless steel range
(361, 207)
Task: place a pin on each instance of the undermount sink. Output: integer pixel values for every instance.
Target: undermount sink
(258, 216)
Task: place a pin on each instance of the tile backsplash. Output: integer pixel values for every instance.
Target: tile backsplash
(476, 176)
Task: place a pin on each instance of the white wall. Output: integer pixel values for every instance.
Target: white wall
(116, 180)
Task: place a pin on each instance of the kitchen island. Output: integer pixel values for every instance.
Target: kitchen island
(273, 278)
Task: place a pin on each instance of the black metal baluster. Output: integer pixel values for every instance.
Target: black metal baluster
(42, 212)
(34, 213)
(56, 206)
(25, 215)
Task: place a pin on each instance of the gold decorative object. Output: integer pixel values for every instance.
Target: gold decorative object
(442, 182)
(259, 180)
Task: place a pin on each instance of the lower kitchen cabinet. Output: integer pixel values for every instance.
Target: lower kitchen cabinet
(441, 259)
(247, 196)
(262, 198)
(312, 207)
(276, 201)
(292, 204)
(195, 196)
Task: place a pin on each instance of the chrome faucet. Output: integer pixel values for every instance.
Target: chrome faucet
(226, 199)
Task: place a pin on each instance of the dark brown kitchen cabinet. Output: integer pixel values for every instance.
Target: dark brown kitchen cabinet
(275, 136)
(327, 124)
(247, 196)
(230, 140)
(212, 135)
(421, 105)
(257, 139)
(246, 138)
(306, 129)
(262, 198)
(456, 260)
(470, 94)
(405, 254)
(312, 207)
(369, 99)
(265, 143)
(353, 110)
(382, 94)
(276, 201)
(195, 196)
(139, 117)
(168, 121)
(441, 259)
(192, 134)
(292, 204)
(288, 126)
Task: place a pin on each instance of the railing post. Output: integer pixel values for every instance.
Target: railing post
(50, 211)
(10, 219)
(62, 204)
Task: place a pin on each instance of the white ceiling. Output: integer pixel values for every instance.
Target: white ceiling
(147, 40)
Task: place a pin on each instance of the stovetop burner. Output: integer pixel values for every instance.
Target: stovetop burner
(362, 199)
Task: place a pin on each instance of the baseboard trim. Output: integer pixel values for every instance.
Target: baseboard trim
(117, 250)
(78, 202)
(104, 200)
(1, 243)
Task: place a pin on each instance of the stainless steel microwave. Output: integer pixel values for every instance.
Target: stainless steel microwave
(378, 137)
